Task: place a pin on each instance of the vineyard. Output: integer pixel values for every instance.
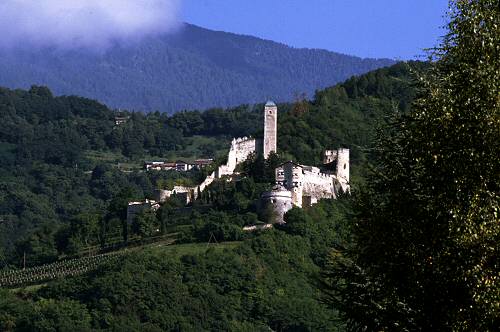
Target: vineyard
(43, 273)
(69, 267)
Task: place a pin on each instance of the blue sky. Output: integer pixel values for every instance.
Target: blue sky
(397, 29)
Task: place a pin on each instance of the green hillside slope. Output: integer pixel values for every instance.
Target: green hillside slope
(67, 172)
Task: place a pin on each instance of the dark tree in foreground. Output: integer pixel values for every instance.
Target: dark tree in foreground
(427, 249)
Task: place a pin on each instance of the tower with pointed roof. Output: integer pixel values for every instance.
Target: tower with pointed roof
(270, 128)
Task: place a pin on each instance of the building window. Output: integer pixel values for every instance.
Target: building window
(345, 165)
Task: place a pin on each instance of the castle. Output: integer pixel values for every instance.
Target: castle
(296, 184)
(301, 186)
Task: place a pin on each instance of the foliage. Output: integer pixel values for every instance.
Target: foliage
(266, 282)
(426, 253)
(67, 175)
(63, 157)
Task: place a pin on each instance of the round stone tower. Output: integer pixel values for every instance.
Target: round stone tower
(279, 201)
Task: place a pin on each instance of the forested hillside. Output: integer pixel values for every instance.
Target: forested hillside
(192, 69)
(67, 173)
(63, 156)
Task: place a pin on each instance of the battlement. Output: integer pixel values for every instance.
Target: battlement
(240, 140)
(308, 184)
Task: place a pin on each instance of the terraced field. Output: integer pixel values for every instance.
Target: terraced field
(76, 266)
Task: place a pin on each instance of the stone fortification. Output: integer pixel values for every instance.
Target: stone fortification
(279, 200)
(241, 149)
(343, 168)
(297, 185)
(309, 184)
(339, 160)
(185, 194)
(270, 128)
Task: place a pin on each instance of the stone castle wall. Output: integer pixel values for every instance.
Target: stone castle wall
(317, 185)
(240, 149)
(309, 184)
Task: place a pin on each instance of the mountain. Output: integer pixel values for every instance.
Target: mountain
(194, 68)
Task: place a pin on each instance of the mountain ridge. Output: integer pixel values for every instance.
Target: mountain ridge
(195, 68)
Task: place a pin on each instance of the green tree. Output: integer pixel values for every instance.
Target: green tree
(38, 247)
(428, 232)
(145, 224)
(84, 231)
(62, 315)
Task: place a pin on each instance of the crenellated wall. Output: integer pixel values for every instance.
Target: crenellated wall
(240, 149)
(309, 184)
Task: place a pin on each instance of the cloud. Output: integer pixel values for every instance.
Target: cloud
(93, 24)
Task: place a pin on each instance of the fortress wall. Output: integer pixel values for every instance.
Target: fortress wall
(161, 195)
(240, 149)
(318, 185)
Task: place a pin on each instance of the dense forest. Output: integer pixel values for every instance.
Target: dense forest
(68, 171)
(194, 68)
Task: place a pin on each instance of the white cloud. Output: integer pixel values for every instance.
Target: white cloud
(83, 23)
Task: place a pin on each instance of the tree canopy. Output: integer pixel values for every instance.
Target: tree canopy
(427, 235)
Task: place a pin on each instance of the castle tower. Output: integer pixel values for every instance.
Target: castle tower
(270, 128)
(279, 201)
(343, 168)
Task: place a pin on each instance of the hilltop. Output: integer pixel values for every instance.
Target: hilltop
(194, 68)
